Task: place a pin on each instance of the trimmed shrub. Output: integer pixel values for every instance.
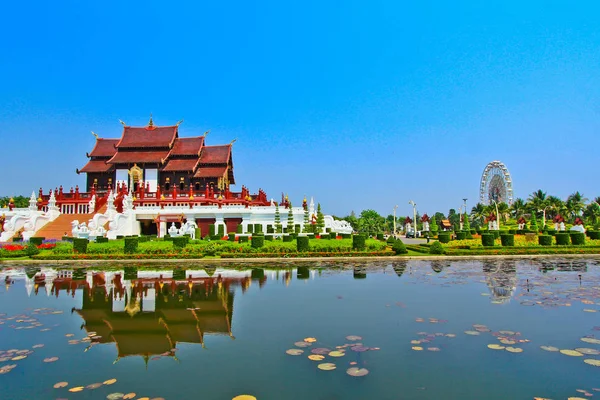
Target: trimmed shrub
(507, 240)
(101, 239)
(250, 228)
(243, 239)
(496, 234)
(380, 236)
(577, 238)
(31, 249)
(461, 235)
(594, 235)
(358, 242)
(288, 238)
(391, 240)
(180, 242)
(433, 232)
(258, 241)
(545, 240)
(211, 230)
(512, 231)
(80, 245)
(269, 238)
(221, 231)
(167, 238)
(327, 230)
(119, 237)
(36, 240)
(399, 247)
(270, 229)
(551, 231)
(444, 237)
(487, 239)
(563, 239)
(216, 237)
(239, 228)
(231, 237)
(257, 228)
(297, 228)
(131, 245)
(198, 233)
(436, 248)
(302, 243)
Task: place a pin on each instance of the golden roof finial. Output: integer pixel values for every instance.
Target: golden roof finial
(95, 134)
(150, 123)
(206, 133)
(122, 123)
(233, 141)
(179, 122)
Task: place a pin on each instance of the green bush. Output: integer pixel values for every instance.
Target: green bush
(302, 243)
(231, 236)
(131, 245)
(101, 239)
(512, 231)
(80, 245)
(216, 237)
(257, 228)
(358, 242)
(487, 239)
(297, 228)
(288, 238)
(258, 241)
(390, 240)
(243, 239)
(36, 240)
(380, 236)
(250, 229)
(221, 230)
(507, 240)
(461, 235)
(67, 238)
(239, 228)
(444, 237)
(551, 231)
(198, 233)
(496, 234)
(436, 248)
(324, 235)
(119, 237)
(211, 230)
(180, 242)
(399, 247)
(269, 238)
(31, 249)
(545, 240)
(563, 239)
(594, 235)
(578, 238)
(270, 229)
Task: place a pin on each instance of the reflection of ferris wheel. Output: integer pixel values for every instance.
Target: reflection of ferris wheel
(496, 184)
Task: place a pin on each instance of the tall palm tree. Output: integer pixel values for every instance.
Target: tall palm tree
(592, 212)
(503, 210)
(597, 200)
(517, 208)
(537, 201)
(556, 206)
(575, 204)
(478, 213)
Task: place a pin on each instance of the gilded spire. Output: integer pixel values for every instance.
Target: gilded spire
(122, 123)
(233, 141)
(150, 123)
(179, 122)
(95, 134)
(206, 133)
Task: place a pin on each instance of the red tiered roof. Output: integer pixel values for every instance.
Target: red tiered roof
(104, 148)
(131, 157)
(215, 154)
(96, 166)
(187, 146)
(150, 136)
(210, 172)
(180, 165)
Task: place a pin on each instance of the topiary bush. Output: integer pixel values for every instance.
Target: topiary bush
(239, 228)
(545, 240)
(131, 245)
(288, 238)
(358, 242)
(36, 240)
(250, 229)
(211, 230)
(257, 228)
(444, 237)
(390, 240)
(231, 236)
(436, 248)
(496, 234)
(302, 243)
(594, 235)
(31, 249)
(243, 239)
(507, 240)
(563, 239)
(221, 230)
(80, 245)
(270, 229)
(180, 242)
(101, 239)
(461, 235)
(577, 238)
(258, 241)
(487, 239)
(399, 247)
(380, 236)
(269, 238)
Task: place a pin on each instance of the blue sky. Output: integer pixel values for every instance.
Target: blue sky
(359, 104)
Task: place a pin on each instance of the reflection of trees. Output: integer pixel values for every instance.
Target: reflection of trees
(438, 266)
(303, 273)
(360, 272)
(501, 279)
(399, 267)
(563, 265)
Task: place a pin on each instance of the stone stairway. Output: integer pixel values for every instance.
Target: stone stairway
(57, 228)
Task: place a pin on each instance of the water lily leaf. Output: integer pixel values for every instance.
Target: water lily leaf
(337, 354)
(129, 396)
(76, 389)
(472, 333)
(433, 349)
(417, 348)
(508, 333)
(310, 340)
(354, 371)
(495, 347)
(591, 361)
(302, 344)
(316, 357)
(50, 359)
(359, 349)
(60, 385)
(514, 349)
(321, 351)
(327, 366)
(115, 396)
(549, 348)
(93, 386)
(590, 340)
(244, 397)
(109, 381)
(571, 353)
(415, 341)
(353, 338)
(587, 351)
(507, 341)
(294, 352)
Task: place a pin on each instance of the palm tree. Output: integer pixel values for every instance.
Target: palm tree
(597, 200)
(592, 212)
(556, 206)
(575, 204)
(537, 201)
(517, 208)
(503, 210)
(478, 213)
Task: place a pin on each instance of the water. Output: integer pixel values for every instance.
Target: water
(225, 332)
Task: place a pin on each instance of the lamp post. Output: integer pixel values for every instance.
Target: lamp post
(414, 215)
(544, 215)
(395, 207)
(497, 215)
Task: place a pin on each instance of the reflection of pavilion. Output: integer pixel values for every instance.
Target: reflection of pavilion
(147, 313)
(501, 279)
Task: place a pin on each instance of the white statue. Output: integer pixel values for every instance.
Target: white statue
(74, 228)
(521, 226)
(562, 226)
(426, 226)
(92, 204)
(556, 227)
(173, 231)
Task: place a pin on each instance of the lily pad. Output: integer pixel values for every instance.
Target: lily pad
(76, 389)
(359, 349)
(353, 338)
(310, 340)
(590, 340)
(50, 359)
(115, 396)
(60, 385)
(321, 350)
(109, 381)
(337, 354)
(93, 386)
(244, 397)
(354, 371)
(316, 357)
(591, 361)
(417, 348)
(294, 352)
(327, 366)
(129, 396)
(514, 349)
(495, 347)
(571, 353)
(302, 344)
(472, 333)
(549, 348)
(587, 351)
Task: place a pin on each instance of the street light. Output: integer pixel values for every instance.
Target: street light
(414, 215)
(395, 220)
(497, 215)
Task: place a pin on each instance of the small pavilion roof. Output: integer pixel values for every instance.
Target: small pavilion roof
(130, 157)
(96, 166)
(187, 146)
(180, 165)
(104, 148)
(149, 136)
(216, 154)
(210, 172)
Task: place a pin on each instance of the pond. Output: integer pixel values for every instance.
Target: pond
(493, 329)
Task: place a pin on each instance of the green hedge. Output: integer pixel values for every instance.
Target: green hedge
(507, 240)
(67, 239)
(324, 235)
(80, 245)
(250, 229)
(461, 235)
(269, 238)
(594, 235)
(270, 229)
(258, 228)
(545, 240)
(577, 238)
(258, 241)
(487, 239)
(288, 238)
(101, 239)
(180, 242)
(444, 237)
(211, 230)
(399, 247)
(380, 236)
(358, 242)
(436, 248)
(221, 230)
(239, 228)
(36, 240)
(243, 239)
(297, 228)
(216, 237)
(231, 236)
(131, 245)
(390, 240)
(563, 239)
(302, 243)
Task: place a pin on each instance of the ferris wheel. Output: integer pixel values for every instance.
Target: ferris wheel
(496, 184)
